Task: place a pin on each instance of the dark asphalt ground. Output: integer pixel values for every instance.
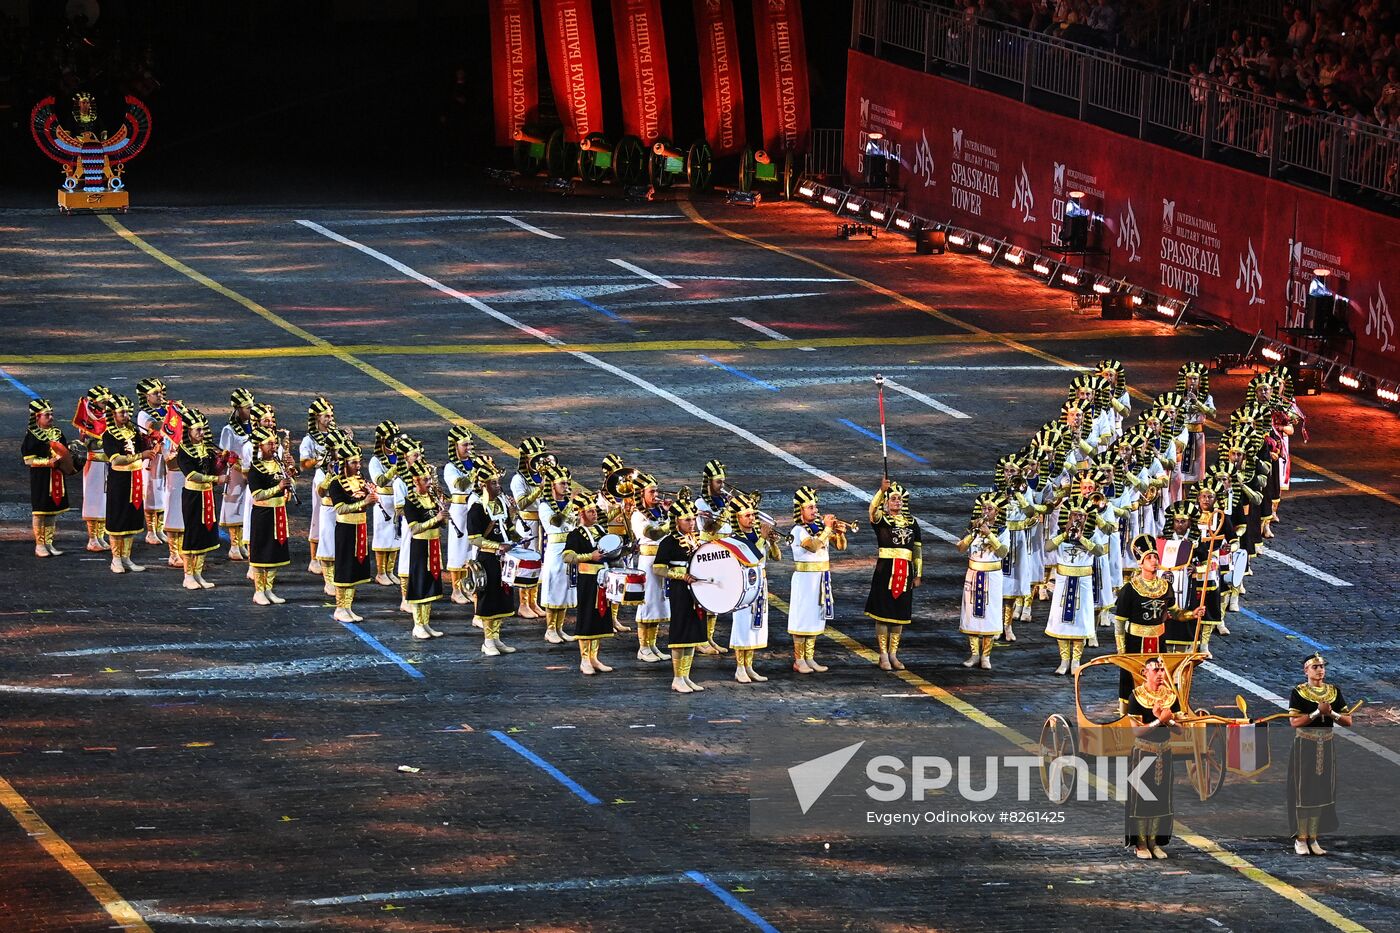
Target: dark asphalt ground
(230, 766)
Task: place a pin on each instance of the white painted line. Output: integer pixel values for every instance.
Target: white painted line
(550, 339)
(1302, 567)
(765, 331)
(927, 400)
(652, 276)
(768, 331)
(1265, 693)
(1307, 479)
(530, 227)
(196, 693)
(487, 215)
(735, 300)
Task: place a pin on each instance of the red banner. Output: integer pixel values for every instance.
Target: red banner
(514, 71)
(782, 75)
(572, 51)
(721, 86)
(1240, 246)
(641, 60)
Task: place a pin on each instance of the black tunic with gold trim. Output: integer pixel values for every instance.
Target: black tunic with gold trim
(486, 526)
(1148, 613)
(126, 495)
(687, 629)
(267, 524)
(1157, 777)
(48, 494)
(899, 563)
(594, 617)
(425, 549)
(354, 562)
(1312, 765)
(197, 500)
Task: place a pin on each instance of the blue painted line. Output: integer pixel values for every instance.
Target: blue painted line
(596, 307)
(374, 643)
(875, 437)
(741, 374)
(574, 786)
(18, 385)
(732, 902)
(1285, 630)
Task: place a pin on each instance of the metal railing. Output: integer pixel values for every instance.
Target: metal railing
(1345, 158)
(823, 158)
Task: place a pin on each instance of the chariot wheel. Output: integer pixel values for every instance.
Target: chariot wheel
(748, 169)
(561, 157)
(1056, 741)
(1206, 769)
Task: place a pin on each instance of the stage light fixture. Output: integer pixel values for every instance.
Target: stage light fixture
(987, 247)
(958, 238)
(807, 191)
(1102, 288)
(904, 223)
(1388, 394)
(1015, 256)
(1166, 309)
(1071, 277)
(830, 198)
(1350, 380)
(1137, 300)
(878, 213)
(1041, 267)
(1271, 352)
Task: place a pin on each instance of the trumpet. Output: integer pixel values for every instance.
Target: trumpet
(845, 528)
(682, 493)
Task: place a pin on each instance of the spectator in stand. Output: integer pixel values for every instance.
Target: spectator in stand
(1383, 56)
(1221, 59)
(1299, 31)
(1389, 97)
(1331, 100)
(1104, 18)
(1331, 65)
(1348, 76)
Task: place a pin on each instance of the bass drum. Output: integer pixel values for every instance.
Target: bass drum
(727, 576)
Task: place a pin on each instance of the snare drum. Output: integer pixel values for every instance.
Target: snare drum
(521, 567)
(626, 587)
(726, 578)
(611, 547)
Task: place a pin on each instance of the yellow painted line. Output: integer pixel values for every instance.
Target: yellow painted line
(1005, 339)
(1016, 737)
(73, 863)
(328, 348)
(513, 349)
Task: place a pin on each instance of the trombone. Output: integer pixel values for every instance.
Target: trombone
(730, 492)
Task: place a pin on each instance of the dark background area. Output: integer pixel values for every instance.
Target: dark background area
(305, 100)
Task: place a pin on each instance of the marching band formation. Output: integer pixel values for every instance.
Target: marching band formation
(1123, 527)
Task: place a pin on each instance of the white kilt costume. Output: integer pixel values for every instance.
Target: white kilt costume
(231, 442)
(400, 523)
(1072, 606)
(983, 585)
(750, 627)
(245, 463)
(458, 484)
(1176, 561)
(154, 470)
(95, 486)
(529, 525)
(557, 590)
(656, 606)
(174, 489)
(386, 530)
(310, 450)
(810, 603)
(1019, 570)
(324, 517)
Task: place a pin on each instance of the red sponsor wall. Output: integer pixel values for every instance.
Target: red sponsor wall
(571, 49)
(1240, 246)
